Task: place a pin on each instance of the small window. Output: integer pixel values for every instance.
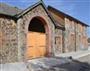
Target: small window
(58, 40)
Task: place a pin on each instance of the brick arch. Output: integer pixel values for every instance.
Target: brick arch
(23, 24)
(47, 32)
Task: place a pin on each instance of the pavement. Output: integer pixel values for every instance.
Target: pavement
(39, 64)
(20, 66)
(85, 59)
(75, 55)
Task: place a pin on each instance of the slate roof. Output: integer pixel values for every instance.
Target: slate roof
(9, 10)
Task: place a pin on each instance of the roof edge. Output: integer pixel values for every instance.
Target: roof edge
(28, 9)
(9, 16)
(68, 16)
(32, 7)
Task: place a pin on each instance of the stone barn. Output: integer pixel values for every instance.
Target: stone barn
(38, 31)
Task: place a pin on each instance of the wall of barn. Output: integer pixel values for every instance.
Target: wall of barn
(58, 41)
(13, 36)
(59, 32)
(69, 35)
(81, 37)
(75, 36)
(23, 24)
(8, 40)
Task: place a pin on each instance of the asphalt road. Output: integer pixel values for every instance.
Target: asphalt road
(81, 64)
(73, 65)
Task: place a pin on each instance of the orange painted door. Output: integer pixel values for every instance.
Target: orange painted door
(36, 45)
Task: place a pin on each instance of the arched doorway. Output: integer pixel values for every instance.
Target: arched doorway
(37, 38)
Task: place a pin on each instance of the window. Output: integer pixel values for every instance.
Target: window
(58, 43)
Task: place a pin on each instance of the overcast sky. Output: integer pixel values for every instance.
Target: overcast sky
(79, 9)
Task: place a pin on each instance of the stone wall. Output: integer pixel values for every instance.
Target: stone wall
(23, 24)
(8, 40)
(75, 36)
(58, 41)
(81, 37)
(59, 32)
(69, 35)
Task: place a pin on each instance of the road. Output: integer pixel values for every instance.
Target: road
(50, 64)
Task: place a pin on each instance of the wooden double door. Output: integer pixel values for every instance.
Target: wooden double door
(36, 45)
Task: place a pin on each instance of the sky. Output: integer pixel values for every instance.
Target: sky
(79, 9)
